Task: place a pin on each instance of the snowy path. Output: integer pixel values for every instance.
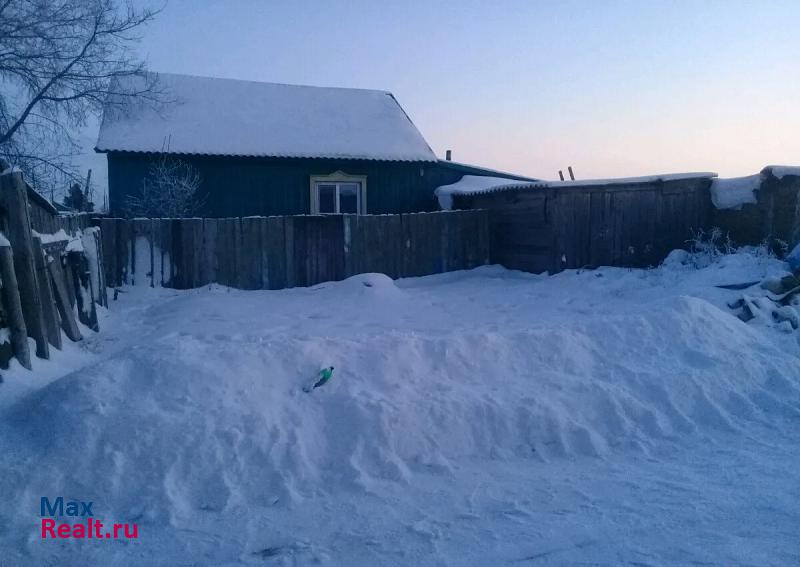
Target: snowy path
(489, 417)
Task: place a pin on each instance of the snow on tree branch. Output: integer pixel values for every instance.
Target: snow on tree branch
(170, 190)
(59, 62)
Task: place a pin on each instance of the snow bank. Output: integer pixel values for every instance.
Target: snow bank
(198, 420)
(734, 192)
(223, 426)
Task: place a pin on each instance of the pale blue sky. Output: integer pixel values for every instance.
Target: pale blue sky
(611, 88)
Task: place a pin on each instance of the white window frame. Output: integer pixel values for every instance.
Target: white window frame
(335, 179)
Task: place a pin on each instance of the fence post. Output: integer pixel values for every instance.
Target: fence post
(49, 311)
(13, 308)
(19, 235)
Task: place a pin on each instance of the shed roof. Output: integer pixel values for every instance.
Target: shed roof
(476, 185)
(227, 117)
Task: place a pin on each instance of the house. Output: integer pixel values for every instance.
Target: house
(276, 149)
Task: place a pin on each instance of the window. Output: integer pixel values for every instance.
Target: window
(339, 193)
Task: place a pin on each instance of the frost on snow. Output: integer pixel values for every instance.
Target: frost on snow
(476, 418)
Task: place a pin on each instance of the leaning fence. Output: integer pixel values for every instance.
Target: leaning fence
(290, 251)
(51, 273)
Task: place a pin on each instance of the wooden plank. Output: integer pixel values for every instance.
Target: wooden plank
(353, 254)
(142, 263)
(559, 208)
(92, 237)
(484, 241)
(289, 241)
(162, 252)
(108, 231)
(87, 312)
(250, 275)
(273, 252)
(187, 245)
(162, 237)
(374, 244)
(19, 235)
(423, 244)
(12, 310)
(196, 228)
(177, 252)
(52, 321)
(584, 219)
(208, 261)
(225, 252)
(123, 250)
(65, 308)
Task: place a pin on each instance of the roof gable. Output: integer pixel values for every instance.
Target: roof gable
(228, 117)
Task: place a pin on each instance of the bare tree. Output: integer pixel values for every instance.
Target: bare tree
(60, 61)
(170, 190)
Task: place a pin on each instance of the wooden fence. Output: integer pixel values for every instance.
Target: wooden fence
(49, 280)
(774, 217)
(290, 251)
(636, 224)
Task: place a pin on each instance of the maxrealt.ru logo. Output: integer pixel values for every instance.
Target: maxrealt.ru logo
(74, 510)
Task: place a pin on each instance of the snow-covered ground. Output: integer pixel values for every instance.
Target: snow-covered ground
(607, 417)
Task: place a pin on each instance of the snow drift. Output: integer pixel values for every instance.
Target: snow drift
(203, 413)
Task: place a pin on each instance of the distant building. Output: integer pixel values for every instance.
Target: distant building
(275, 149)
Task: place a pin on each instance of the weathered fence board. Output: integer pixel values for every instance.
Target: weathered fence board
(628, 224)
(14, 191)
(281, 252)
(142, 252)
(208, 259)
(52, 321)
(273, 253)
(13, 314)
(251, 275)
(373, 244)
(38, 294)
(318, 249)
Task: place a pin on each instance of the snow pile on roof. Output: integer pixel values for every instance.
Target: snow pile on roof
(464, 408)
(244, 118)
(472, 184)
(781, 171)
(734, 192)
(633, 180)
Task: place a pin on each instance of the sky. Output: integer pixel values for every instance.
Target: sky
(612, 88)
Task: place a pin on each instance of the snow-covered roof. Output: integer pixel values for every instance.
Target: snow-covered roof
(228, 117)
(780, 171)
(734, 192)
(474, 184)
